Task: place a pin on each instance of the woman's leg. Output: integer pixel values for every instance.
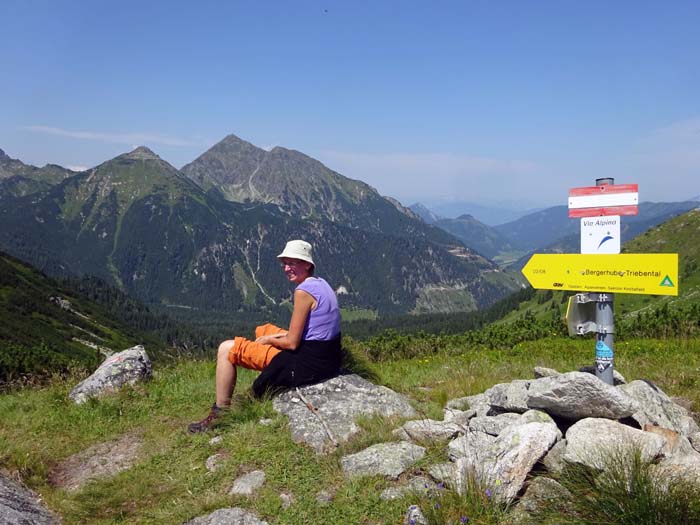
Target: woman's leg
(233, 353)
(225, 374)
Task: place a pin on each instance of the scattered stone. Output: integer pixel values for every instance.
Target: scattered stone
(461, 417)
(21, 506)
(288, 499)
(324, 497)
(676, 444)
(460, 403)
(540, 493)
(128, 367)
(592, 441)
(97, 462)
(443, 473)
(417, 485)
(338, 401)
(541, 371)
(504, 467)
(509, 397)
(472, 445)
(247, 484)
(414, 516)
(578, 395)
(266, 422)
(386, 459)
(232, 516)
(554, 459)
(694, 439)
(658, 409)
(214, 462)
(216, 440)
(493, 425)
(618, 378)
(428, 430)
(678, 469)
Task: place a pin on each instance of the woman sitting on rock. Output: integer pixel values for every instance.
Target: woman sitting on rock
(306, 353)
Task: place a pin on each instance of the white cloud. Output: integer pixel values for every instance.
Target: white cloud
(416, 176)
(77, 168)
(115, 138)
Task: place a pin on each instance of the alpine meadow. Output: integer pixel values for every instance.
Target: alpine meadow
(349, 263)
(136, 252)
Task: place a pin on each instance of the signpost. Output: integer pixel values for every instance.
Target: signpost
(600, 270)
(638, 273)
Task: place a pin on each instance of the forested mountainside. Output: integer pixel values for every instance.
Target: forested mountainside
(48, 327)
(140, 224)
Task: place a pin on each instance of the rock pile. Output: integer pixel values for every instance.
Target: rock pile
(497, 437)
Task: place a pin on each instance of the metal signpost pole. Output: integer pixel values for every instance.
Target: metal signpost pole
(605, 325)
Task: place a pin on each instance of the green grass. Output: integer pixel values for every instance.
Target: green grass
(354, 314)
(170, 483)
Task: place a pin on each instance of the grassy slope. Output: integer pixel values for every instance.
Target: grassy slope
(170, 483)
(38, 335)
(680, 235)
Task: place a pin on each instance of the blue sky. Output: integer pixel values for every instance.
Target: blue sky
(477, 101)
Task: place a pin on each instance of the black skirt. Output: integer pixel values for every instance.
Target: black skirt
(312, 362)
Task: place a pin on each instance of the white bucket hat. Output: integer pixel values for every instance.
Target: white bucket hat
(297, 249)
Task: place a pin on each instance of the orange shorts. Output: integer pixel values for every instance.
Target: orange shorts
(250, 354)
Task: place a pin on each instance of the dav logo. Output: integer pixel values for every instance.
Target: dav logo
(558, 285)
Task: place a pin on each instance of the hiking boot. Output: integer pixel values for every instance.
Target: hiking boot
(206, 423)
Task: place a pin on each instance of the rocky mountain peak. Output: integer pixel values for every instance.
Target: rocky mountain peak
(142, 153)
(3, 155)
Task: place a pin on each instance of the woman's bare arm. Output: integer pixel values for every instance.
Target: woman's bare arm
(303, 304)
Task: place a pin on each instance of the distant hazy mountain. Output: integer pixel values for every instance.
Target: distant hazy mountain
(542, 228)
(141, 224)
(426, 215)
(546, 227)
(484, 239)
(488, 214)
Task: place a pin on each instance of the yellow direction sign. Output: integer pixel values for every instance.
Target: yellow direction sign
(645, 273)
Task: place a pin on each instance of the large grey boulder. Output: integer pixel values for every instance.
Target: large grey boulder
(578, 395)
(504, 468)
(21, 506)
(338, 402)
(594, 441)
(385, 459)
(128, 367)
(232, 516)
(658, 409)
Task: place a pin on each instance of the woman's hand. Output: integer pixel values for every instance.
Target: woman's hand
(270, 339)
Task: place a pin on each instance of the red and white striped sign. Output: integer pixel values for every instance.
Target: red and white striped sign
(609, 199)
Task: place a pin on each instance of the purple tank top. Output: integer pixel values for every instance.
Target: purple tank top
(323, 323)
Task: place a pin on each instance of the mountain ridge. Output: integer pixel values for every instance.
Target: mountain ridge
(141, 224)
